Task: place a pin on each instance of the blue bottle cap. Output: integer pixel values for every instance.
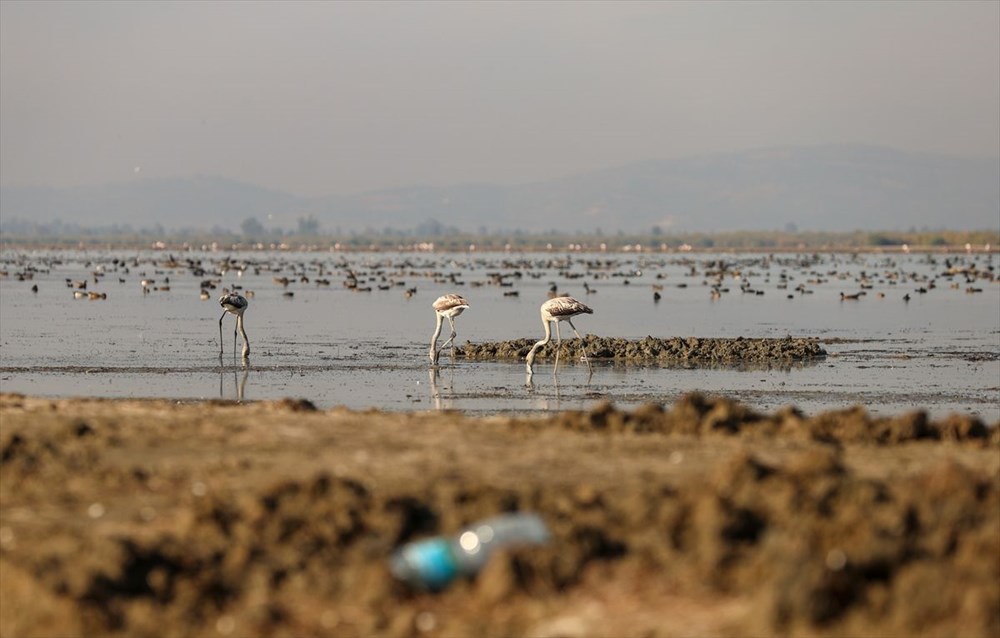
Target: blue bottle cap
(428, 563)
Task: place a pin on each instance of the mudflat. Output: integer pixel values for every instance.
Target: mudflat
(704, 518)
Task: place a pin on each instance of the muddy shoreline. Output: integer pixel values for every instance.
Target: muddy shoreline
(131, 518)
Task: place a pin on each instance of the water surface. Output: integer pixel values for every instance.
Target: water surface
(939, 351)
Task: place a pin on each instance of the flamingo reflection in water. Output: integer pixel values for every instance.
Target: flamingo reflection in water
(240, 385)
(442, 394)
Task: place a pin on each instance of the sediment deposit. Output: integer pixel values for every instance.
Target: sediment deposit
(135, 518)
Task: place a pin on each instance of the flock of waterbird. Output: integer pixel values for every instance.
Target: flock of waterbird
(450, 306)
(557, 309)
(368, 273)
(560, 307)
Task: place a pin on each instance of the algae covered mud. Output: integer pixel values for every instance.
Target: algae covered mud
(707, 518)
(676, 351)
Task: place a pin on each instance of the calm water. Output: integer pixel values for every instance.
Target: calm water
(940, 351)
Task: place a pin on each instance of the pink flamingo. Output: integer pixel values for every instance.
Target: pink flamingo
(553, 311)
(235, 304)
(446, 307)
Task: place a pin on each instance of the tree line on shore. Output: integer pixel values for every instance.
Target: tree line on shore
(451, 239)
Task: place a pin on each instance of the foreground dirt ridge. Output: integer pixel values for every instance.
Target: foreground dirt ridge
(702, 518)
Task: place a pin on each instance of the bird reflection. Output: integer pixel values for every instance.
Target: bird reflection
(440, 403)
(239, 380)
(529, 379)
(544, 401)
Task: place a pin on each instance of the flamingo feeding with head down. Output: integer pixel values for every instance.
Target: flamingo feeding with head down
(446, 307)
(553, 311)
(235, 304)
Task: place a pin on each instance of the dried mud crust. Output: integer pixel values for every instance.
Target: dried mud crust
(653, 349)
(702, 518)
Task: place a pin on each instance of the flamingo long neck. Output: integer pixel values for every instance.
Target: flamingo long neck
(243, 333)
(437, 333)
(548, 333)
(538, 344)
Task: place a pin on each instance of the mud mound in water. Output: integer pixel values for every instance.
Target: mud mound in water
(130, 518)
(692, 350)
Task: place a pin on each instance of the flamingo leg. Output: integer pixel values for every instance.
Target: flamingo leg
(220, 333)
(583, 345)
(558, 348)
(451, 339)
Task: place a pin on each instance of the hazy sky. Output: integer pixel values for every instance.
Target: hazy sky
(336, 97)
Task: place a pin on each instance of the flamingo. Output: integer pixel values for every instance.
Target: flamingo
(235, 304)
(446, 307)
(554, 311)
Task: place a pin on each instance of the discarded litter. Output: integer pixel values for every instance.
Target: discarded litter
(435, 562)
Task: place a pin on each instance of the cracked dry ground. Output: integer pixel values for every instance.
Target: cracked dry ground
(155, 518)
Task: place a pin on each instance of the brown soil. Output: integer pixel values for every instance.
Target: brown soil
(675, 350)
(155, 518)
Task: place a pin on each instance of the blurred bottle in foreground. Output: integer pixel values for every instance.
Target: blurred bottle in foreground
(435, 562)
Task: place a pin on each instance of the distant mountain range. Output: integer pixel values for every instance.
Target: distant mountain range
(824, 188)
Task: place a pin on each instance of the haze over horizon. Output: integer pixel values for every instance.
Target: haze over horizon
(334, 98)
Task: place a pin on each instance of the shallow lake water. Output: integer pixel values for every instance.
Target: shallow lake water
(939, 351)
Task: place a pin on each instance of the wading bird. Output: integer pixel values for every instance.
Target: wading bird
(554, 311)
(235, 304)
(446, 307)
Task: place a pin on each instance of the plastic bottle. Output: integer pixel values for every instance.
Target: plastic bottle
(435, 562)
